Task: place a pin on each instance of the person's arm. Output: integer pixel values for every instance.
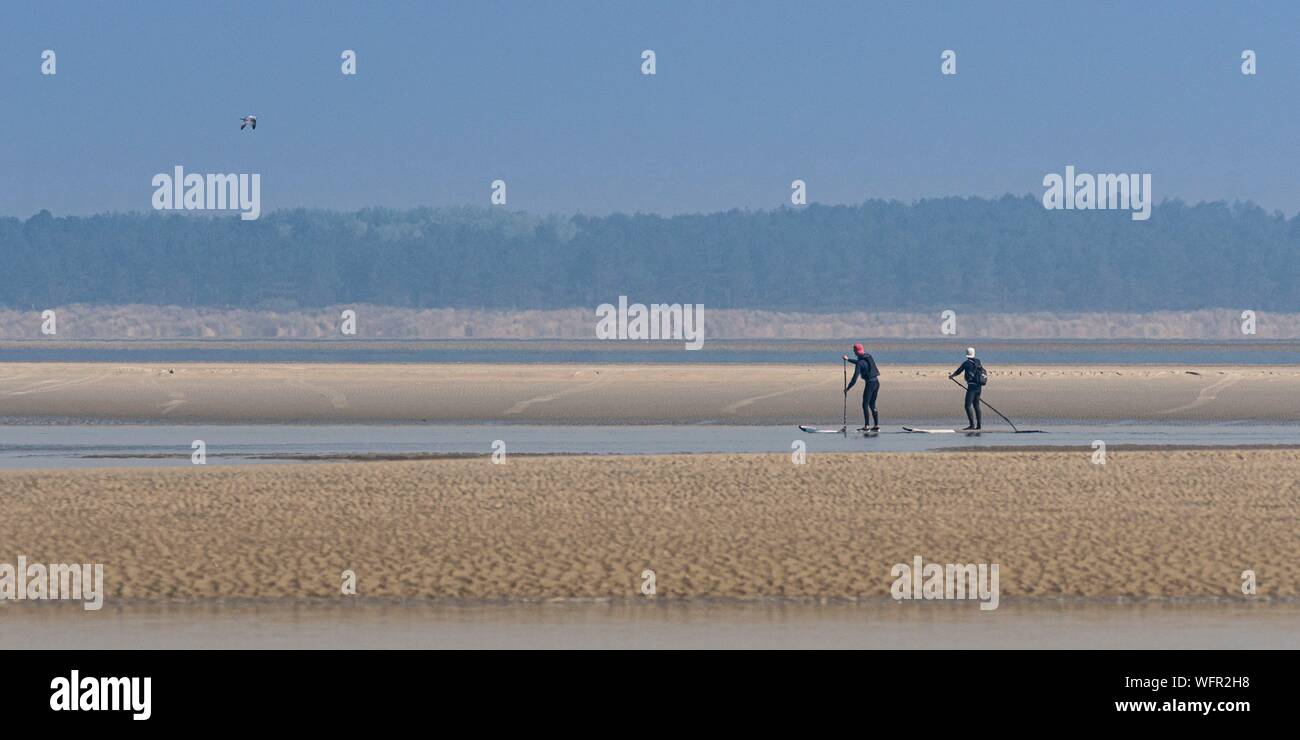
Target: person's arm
(959, 370)
(856, 368)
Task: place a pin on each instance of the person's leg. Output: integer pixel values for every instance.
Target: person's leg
(979, 419)
(874, 389)
(971, 396)
(866, 410)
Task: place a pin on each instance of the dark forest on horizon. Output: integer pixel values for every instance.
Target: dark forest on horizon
(1005, 254)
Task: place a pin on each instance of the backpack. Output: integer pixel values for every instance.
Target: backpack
(980, 376)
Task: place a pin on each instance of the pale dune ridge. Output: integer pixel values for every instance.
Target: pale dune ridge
(630, 393)
(141, 321)
(1163, 525)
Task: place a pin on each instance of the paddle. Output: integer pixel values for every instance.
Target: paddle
(986, 403)
(844, 365)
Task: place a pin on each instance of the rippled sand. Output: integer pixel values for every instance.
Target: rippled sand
(1146, 524)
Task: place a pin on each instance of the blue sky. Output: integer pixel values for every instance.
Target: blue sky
(549, 97)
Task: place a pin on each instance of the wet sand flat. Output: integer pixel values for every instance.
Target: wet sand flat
(1163, 525)
(647, 624)
(629, 394)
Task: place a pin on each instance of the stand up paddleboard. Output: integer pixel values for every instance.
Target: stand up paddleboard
(815, 430)
(970, 432)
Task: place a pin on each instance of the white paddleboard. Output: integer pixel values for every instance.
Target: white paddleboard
(929, 431)
(815, 430)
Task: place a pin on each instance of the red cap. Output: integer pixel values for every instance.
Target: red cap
(858, 349)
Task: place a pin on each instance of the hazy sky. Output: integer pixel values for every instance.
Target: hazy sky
(549, 97)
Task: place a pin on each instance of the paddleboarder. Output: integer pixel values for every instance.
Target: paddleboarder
(864, 366)
(975, 375)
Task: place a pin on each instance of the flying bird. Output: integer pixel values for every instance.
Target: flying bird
(248, 120)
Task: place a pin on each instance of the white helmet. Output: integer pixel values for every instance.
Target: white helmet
(970, 351)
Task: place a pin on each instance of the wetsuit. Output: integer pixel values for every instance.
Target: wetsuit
(971, 369)
(865, 366)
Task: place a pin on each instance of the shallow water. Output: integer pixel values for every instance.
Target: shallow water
(877, 624)
(31, 445)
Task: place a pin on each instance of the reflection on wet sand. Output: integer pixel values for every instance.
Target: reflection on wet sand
(877, 624)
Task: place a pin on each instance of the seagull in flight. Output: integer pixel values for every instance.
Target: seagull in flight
(248, 120)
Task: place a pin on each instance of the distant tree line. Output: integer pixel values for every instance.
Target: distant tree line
(1006, 254)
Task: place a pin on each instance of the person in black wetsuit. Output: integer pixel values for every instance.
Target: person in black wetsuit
(971, 369)
(865, 366)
